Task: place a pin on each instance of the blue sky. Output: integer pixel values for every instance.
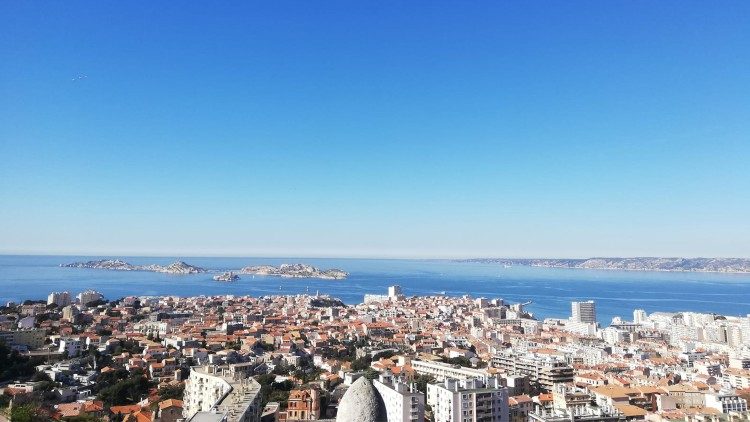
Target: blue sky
(408, 129)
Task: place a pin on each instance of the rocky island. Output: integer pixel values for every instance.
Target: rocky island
(718, 265)
(295, 271)
(226, 276)
(177, 267)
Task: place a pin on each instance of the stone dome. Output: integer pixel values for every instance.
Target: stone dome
(361, 403)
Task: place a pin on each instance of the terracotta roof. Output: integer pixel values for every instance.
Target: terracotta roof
(170, 403)
(122, 410)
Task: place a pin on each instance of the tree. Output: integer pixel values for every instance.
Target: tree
(371, 374)
(14, 365)
(460, 360)
(362, 363)
(28, 412)
(171, 392)
(127, 391)
(422, 381)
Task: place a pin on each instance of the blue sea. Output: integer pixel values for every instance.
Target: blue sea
(551, 290)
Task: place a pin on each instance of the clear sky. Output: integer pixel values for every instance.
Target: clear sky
(346, 128)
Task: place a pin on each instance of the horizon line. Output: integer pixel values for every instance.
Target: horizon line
(369, 257)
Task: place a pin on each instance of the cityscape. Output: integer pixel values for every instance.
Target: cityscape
(375, 211)
(394, 357)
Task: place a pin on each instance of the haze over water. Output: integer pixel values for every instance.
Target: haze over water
(550, 289)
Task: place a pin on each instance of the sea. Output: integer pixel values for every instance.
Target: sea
(549, 290)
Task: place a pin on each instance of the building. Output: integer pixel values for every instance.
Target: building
(303, 405)
(468, 400)
(69, 312)
(584, 312)
(222, 394)
(170, 410)
(543, 370)
(726, 402)
(403, 403)
(639, 316)
(30, 339)
(394, 292)
(441, 371)
(71, 345)
(89, 296)
(59, 298)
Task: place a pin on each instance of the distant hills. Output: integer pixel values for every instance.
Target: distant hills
(718, 265)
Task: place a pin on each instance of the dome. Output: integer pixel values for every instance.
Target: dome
(361, 403)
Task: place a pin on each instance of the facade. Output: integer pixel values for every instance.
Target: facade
(726, 402)
(469, 400)
(71, 346)
(69, 312)
(584, 312)
(544, 371)
(32, 339)
(228, 392)
(394, 292)
(59, 298)
(441, 371)
(303, 405)
(403, 403)
(89, 296)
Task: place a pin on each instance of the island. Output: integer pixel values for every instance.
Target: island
(226, 276)
(295, 271)
(718, 265)
(180, 267)
(177, 267)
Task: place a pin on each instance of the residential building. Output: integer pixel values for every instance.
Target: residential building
(403, 403)
(228, 391)
(468, 400)
(584, 312)
(59, 298)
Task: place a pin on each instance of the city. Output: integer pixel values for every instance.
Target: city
(394, 358)
(375, 211)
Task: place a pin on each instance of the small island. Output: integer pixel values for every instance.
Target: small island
(226, 277)
(177, 267)
(296, 271)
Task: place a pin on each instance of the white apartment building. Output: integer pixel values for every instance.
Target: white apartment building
(394, 292)
(59, 298)
(543, 370)
(725, 402)
(468, 400)
(639, 316)
(222, 393)
(441, 371)
(403, 403)
(583, 311)
(71, 345)
(89, 296)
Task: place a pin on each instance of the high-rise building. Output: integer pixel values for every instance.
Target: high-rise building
(394, 292)
(584, 311)
(639, 316)
(223, 393)
(403, 402)
(89, 296)
(59, 298)
(470, 399)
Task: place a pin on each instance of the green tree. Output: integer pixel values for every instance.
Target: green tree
(171, 392)
(28, 412)
(422, 381)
